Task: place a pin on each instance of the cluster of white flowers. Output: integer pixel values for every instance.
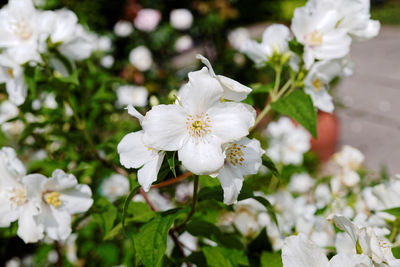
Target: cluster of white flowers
(208, 134)
(27, 33)
(326, 29)
(39, 204)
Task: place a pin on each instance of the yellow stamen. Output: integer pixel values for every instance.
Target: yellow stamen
(318, 84)
(234, 154)
(198, 125)
(315, 38)
(54, 199)
(10, 72)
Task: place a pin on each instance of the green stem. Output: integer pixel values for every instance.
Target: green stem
(260, 116)
(278, 74)
(194, 201)
(282, 91)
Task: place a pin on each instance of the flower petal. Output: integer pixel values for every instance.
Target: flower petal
(252, 153)
(133, 112)
(57, 222)
(350, 260)
(231, 121)
(201, 92)
(231, 181)
(148, 173)
(164, 127)
(29, 229)
(77, 199)
(132, 151)
(202, 156)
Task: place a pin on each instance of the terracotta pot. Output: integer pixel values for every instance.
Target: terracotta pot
(328, 135)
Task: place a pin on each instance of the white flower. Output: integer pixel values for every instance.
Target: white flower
(22, 27)
(123, 28)
(317, 31)
(317, 81)
(14, 198)
(199, 125)
(7, 111)
(238, 37)
(107, 61)
(301, 183)
(115, 186)
(248, 217)
(160, 201)
(350, 160)
(147, 19)
(274, 41)
(233, 90)
(59, 197)
(241, 158)
(299, 251)
(288, 142)
(103, 43)
(12, 75)
(181, 18)
(184, 192)
(354, 16)
(141, 58)
(132, 95)
(183, 43)
(134, 153)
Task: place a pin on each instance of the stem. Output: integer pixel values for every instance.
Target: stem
(172, 181)
(283, 89)
(58, 247)
(274, 93)
(194, 201)
(260, 116)
(148, 201)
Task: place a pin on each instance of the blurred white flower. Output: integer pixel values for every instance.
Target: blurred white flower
(153, 100)
(103, 43)
(274, 41)
(242, 158)
(134, 153)
(238, 37)
(115, 187)
(147, 19)
(318, 33)
(233, 90)
(15, 199)
(181, 18)
(141, 58)
(184, 192)
(7, 111)
(317, 81)
(301, 183)
(49, 101)
(287, 142)
(199, 125)
(71, 248)
(13, 128)
(59, 197)
(350, 160)
(185, 42)
(132, 95)
(123, 28)
(160, 201)
(107, 61)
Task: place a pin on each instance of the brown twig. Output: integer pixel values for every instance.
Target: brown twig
(172, 181)
(58, 247)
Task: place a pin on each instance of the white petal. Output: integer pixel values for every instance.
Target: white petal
(7, 213)
(60, 181)
(132, 151)
(28, 228)
(77, 199)
(202, 156)
(233, 90)
(231, 181)
(201, 92)
(133, 112)
(57, 222)
(148, 173)
(206, 62)
(350, 260)
(231, 121)
(16, 89)
(34, 184)
(252, 156)
(276, 36)
(321, 99)
(299, 251)
(255, 52)
(346, 225)
(164, 127)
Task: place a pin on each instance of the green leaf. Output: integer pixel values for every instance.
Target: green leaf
(214, 192)
(393, 211)
(269, 259)
(128, 200)
(171, 161)
(106, 215)
(262, 88)
(270, 165)
(298, 106)
(396, 252)
(223, 257)
(151, 241)
(296, 47)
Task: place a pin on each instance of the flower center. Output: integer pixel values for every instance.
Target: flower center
(10, 72)
(318, 84)
(315, 38)
(53, 199)
(18, 196)
(235, 154)
(198, 125)
(22, 29)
